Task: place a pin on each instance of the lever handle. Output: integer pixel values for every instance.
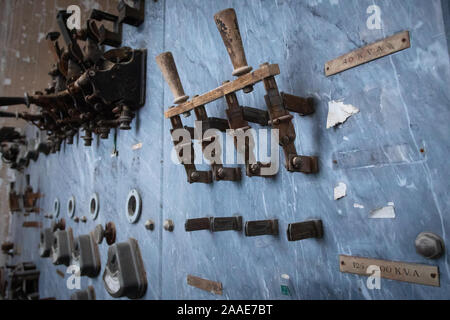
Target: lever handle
(10, 101)
(227, 24)
(304, 230)
(169, 70)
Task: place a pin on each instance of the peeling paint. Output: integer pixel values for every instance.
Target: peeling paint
(338, 112)
(387, 212)
(340, 191)
(358, 206)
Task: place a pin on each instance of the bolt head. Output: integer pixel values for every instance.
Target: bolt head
(429, 245)
(83, 219)
(285, 140)
(248, 89)
(297, 162)
(168, 225)
(149, 225)
(254, 168)
(195, 176)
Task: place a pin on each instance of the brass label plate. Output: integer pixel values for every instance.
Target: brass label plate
(400, 271)
(207, 285)
(387, 46)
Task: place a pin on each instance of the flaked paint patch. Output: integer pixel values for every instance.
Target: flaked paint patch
(381, 156)
(7, 82)
(358, 206)
(387, 212)
(340, 191)
(338, 113)
(41, 36)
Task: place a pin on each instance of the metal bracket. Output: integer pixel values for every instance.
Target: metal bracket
(304, 230)
(214, 224)
(261, 227)
(107, 37)
(132, 16)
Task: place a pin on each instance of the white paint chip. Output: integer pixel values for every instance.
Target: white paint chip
(387, 212)
(357, 205)
(338, 112)
(137, 146)
(340, 191)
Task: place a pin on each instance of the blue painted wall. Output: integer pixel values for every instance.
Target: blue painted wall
(404, 107)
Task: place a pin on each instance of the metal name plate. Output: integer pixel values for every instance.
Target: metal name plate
(387, 46)
(204, 284)
(400, 271)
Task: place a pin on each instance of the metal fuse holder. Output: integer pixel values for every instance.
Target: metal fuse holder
(86, 255)
(226, 224)
(304, 230)
(88, 294)
(124, 272)
(197, 224)
(214, 224)
(62, 247)
(261, 227)
(45, 243)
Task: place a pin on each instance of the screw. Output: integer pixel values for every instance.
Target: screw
(83, 219)
(195, 176)
(285, 140)
(149, 225)
(220, 173)
(254, 167)
(297, 162)
(168, 225)
(76, 219)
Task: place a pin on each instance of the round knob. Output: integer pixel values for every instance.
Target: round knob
(99, 233)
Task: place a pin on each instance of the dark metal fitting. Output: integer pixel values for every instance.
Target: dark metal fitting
(304, 230)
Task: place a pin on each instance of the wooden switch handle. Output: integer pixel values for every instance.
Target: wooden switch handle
(169, 70)
(227, 24)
